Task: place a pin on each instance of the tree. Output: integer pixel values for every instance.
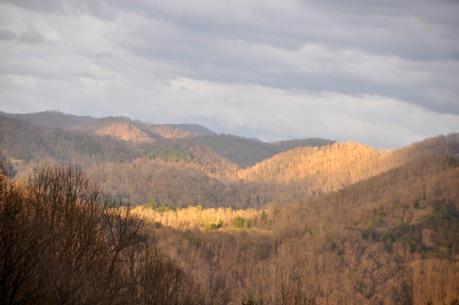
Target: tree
(60, 244)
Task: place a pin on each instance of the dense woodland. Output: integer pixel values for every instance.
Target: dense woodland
(392, 239)
(60, 244)
(175, 220)
(201, 165)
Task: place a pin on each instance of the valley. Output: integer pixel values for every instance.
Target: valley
(237, 220)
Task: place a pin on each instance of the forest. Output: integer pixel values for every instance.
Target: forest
(116, 211)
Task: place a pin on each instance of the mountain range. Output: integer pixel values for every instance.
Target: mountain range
(187, 164)
(300, 222)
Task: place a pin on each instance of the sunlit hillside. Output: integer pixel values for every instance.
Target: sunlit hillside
(332, 167)
(119, 210)
(124, 131)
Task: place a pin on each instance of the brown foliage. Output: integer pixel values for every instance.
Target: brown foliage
(361, 226)
(356, 246)
(61, 245)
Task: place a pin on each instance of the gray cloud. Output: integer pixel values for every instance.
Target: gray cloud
(97, 54)
(257, 42)
(39, 5)
(7, 35)
(31, 37)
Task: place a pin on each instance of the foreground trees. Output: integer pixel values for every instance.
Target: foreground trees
(60, 244)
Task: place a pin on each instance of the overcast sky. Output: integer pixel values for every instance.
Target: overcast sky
(385, 73)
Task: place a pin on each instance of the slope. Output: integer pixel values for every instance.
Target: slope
(22, 140)
(332, 167)
(391, 239)
(53, 119)
(245, 151)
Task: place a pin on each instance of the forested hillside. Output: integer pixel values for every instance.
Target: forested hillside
(54, 119)
(181, 165)
(141, 161)
(246, 152)
(389, 239)
(392, 239)
(21, 140)
(222, 219)
(331, 167)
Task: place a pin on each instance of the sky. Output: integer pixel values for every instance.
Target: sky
(385, 73)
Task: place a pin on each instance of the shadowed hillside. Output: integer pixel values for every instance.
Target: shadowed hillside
(25, 141)
(54, 119)
(246, 152)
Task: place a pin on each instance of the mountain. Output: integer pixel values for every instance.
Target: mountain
(344, 161)
(280, 146)
(54, 119)
(330, 168)
(140, 132)
(194, 129)
(140, 161)
(246, 152)
(390, 239)
(239, 150)
(22, 140)
(118, 128)
(279, 223)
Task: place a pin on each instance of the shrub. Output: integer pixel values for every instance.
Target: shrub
(156, 205)
(217, 225)
(238, 222)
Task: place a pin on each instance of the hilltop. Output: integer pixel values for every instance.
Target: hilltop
(188, 164)
(332, 167)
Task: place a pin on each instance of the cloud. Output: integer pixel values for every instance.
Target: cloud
(385, 74)
(31, 37)
(369, 118)
(7, 35)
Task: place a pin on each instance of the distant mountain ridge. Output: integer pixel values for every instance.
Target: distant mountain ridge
(189, 164)
(53, 119)
(242, 151)
(56, 119)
